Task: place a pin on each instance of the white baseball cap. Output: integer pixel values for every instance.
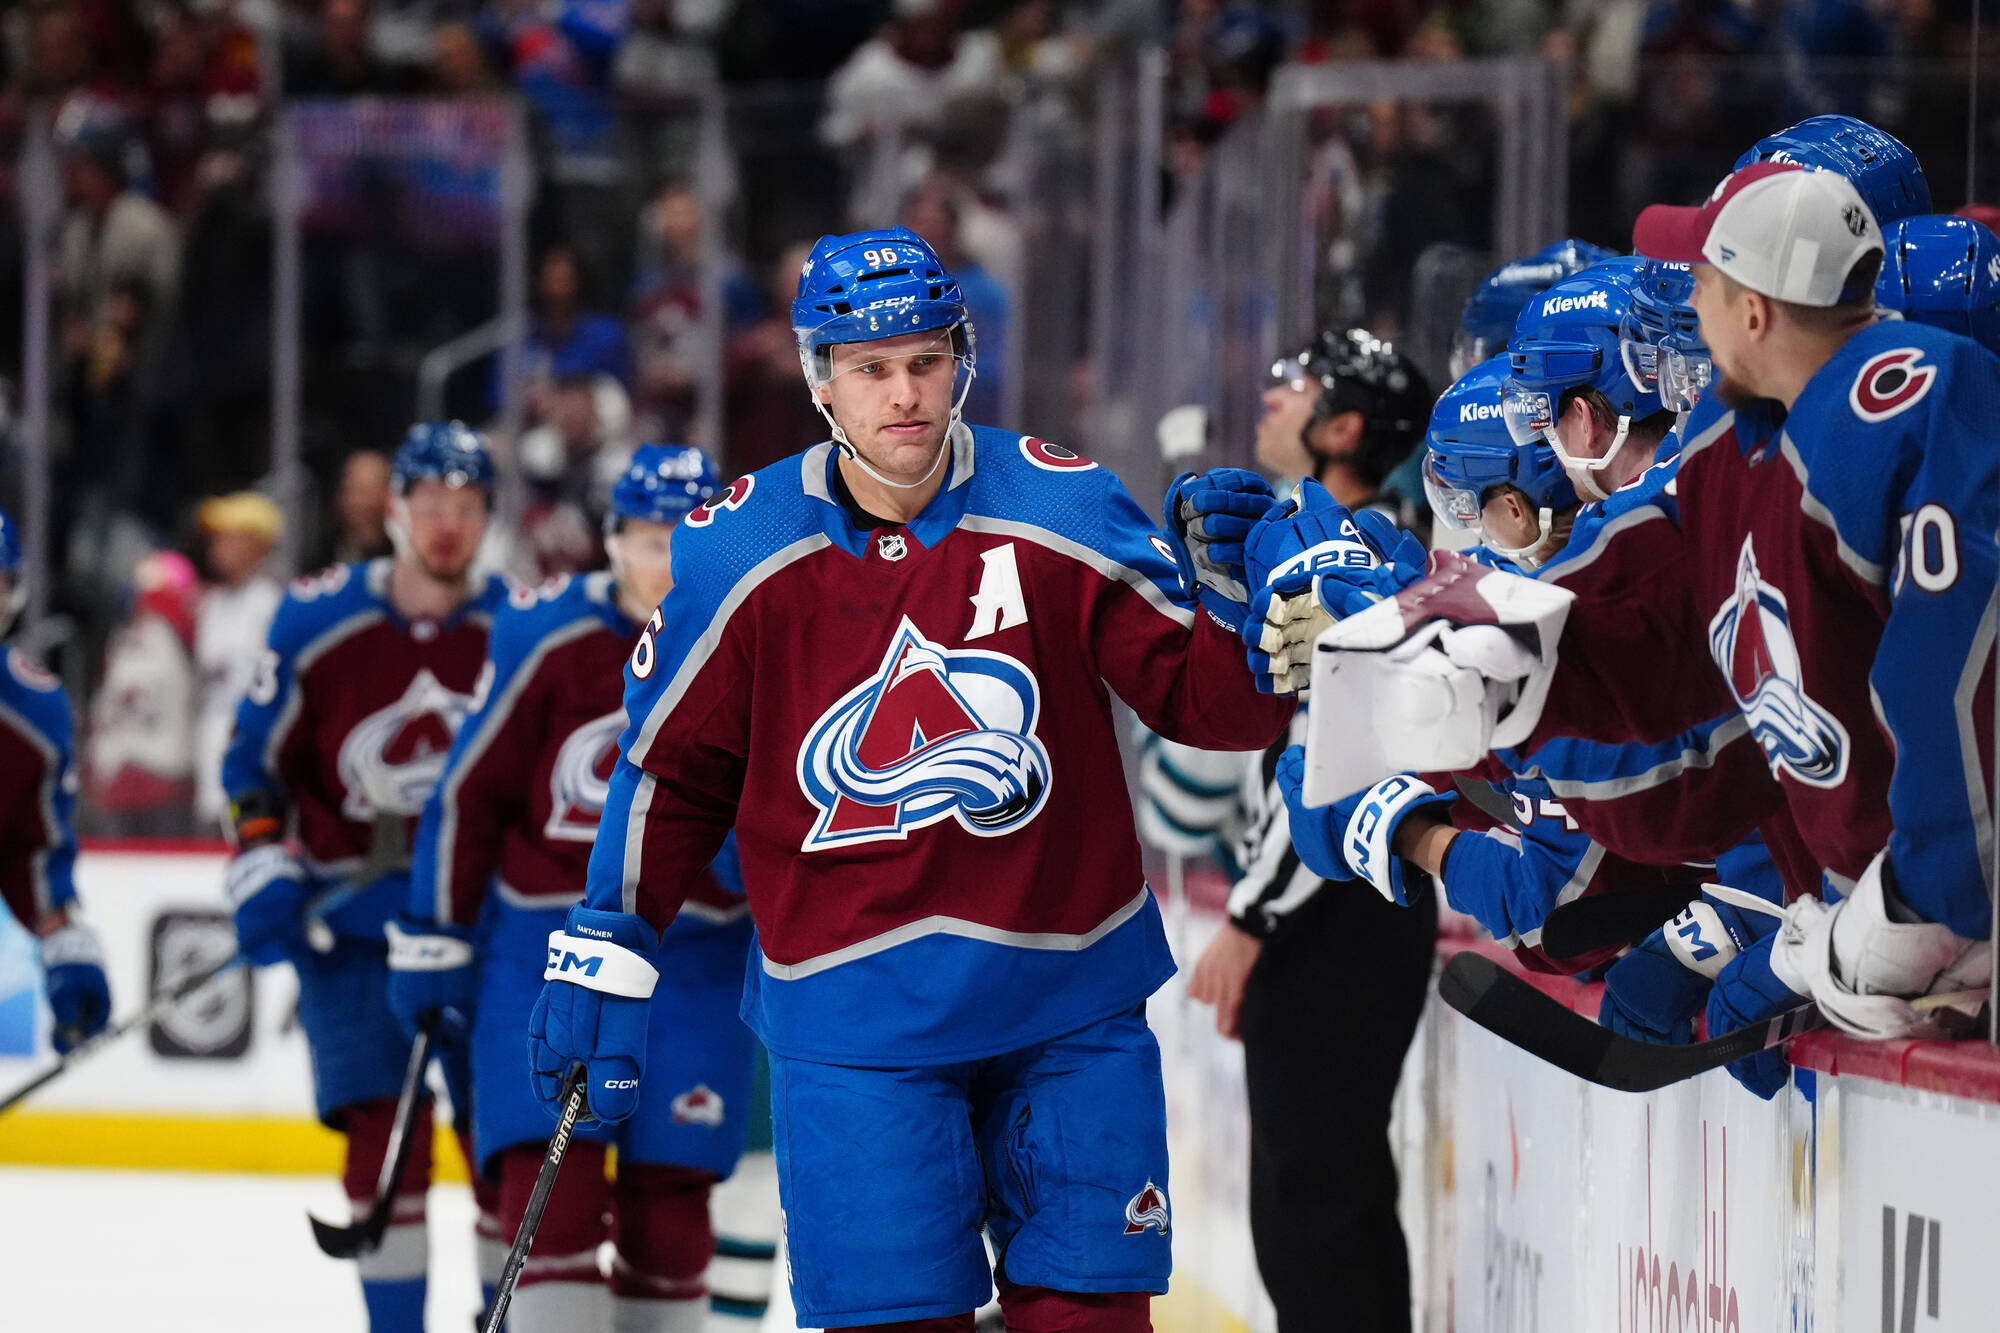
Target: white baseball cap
(1787, 231)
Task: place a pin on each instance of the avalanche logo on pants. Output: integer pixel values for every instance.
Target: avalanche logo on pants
(936, 733)
(1751, 641)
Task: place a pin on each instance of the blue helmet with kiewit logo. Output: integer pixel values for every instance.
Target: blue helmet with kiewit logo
(1943, 271)
(1469, 452)
(1568, 340)
(447, 451)
(1496, 303)
(873, 285)
(663, 483)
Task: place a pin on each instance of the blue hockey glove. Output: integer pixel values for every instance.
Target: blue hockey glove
(267, 888)
(79, 996)
(1208, 514)
(1654, 992)
(431, 976)
(1351, 838)
(592, 1011)
(1746, 992)
(1311, 562)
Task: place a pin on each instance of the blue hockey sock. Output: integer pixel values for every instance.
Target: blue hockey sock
(395, 1307)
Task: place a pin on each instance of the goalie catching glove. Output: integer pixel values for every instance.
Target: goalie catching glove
(595, 1000)
(1431, 679)
(1310, 563)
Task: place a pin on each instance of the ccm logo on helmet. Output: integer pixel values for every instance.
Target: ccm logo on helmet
(1053, 457)
(1477, 411)
(1562, 305)
(731, 496)
(1891, 382)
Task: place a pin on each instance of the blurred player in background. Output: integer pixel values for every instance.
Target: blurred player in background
(37, 842)
(1344, 410)
(352, 710)
(887, 664)
(508, 832)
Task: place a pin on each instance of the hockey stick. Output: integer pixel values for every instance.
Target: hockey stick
(359, 1238)
(1612, 920)
(158, 1006)
(545, 1182)
(1515, 1011)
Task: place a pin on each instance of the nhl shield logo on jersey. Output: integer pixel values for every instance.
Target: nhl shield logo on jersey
(936, 733)
(1147, 1211)
(1751, 641)
(699, 1105)
(393, 758)
(580, 779)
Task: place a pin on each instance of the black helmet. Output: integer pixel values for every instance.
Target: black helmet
(1358, 372)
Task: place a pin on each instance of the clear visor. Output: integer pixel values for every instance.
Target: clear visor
(903, 332)
(1529, 414)
(1685, 371)
(1468, 351)
(1457, 507)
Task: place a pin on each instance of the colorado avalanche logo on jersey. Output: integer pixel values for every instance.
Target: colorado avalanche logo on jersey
(394, 757)
(1147, 1210)
(580, 779)
(1751, 641)
(936, 733)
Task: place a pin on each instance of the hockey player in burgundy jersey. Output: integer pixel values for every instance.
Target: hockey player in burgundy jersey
(37, 843)
(369, 670)
(507, 833)
(887, 663)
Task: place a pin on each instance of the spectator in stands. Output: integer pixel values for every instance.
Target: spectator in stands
(113, 235)
(230, 623)
(458, 63)
(906, 75)
(204, 73)
(569, 464)
(361, 509)
(139, 757)
(565, 331)
(671, 341)
(563, 54)
(932, 212)
(767, 412)
(340, 59)
(669, 51)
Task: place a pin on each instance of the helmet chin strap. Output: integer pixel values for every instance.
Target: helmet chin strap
(1589, 467)
(846, 446)
(1527, 557)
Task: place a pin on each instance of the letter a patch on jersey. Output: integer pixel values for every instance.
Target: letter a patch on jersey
(936, 733)
(1751, 640)
(998, 604)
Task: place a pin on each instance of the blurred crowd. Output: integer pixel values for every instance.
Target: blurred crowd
(660, 264)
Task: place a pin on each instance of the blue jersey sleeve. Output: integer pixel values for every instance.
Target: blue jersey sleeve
(1914, 497)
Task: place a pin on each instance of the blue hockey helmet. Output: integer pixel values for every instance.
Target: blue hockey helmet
(1885, 173)
(12, 560)
(1943, 271)
(1469, 452)
(871, 285)
(1566, 342)
(447, 451)
(663, 483)
(1496, 303)
(1660, 337)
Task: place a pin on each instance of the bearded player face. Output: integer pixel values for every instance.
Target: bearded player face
(1722, 312)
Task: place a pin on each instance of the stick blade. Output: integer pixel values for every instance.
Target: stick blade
(349, 1242)
(1516, 1012)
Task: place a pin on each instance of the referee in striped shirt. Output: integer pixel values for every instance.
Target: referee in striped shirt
(1322, 982)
